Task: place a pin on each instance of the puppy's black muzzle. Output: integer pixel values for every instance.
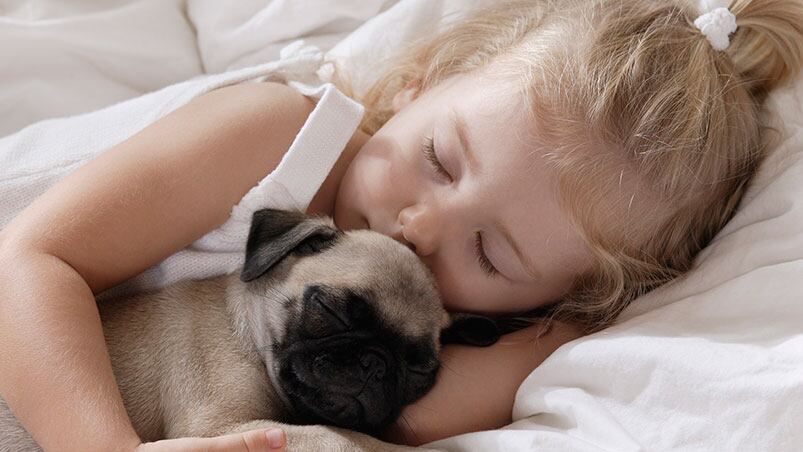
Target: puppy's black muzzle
(340, 365)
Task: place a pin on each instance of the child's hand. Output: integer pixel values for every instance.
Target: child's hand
(270, 440)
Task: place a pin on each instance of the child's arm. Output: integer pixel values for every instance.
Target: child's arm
(476, 387)
(117, 215)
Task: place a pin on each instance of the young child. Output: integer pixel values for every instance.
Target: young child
(550, 157)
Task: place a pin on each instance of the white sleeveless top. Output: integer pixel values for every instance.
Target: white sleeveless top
(38, 156)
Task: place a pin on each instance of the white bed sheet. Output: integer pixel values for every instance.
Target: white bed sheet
(710, 362)
(64, 58)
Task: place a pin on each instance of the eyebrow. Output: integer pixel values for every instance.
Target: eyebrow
(526, 263)
(462, 135)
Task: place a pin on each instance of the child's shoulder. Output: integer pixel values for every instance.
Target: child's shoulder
(164, 187)
(269, 100)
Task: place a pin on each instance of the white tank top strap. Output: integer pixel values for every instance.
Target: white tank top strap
(302, 170)
(319, 143)
(291, 185)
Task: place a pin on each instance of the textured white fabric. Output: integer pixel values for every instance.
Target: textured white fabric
(251, 31)
(38, 156)
(61, 58)
(716, 23)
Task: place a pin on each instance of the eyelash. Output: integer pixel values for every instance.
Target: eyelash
(486, 264)
(429, 153)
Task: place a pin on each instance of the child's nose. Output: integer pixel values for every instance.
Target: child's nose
(419, 228)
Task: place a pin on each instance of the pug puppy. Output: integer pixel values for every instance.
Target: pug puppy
(325, 334)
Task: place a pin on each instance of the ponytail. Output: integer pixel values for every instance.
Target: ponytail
(767, 47)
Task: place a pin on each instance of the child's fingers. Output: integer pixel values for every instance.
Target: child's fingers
(276, 439)
(270, 440)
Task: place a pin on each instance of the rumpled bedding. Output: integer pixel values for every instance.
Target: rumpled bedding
(713, 361)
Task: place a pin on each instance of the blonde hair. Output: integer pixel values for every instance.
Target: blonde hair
(625, 87)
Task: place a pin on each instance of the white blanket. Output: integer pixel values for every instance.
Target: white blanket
(710, 362)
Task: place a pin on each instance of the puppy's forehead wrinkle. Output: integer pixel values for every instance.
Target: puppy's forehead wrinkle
(385, 268)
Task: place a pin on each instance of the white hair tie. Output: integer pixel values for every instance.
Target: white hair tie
(716, 23)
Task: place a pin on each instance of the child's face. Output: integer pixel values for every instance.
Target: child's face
(497, 181)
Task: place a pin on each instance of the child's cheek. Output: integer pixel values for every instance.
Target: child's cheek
(374, 173)
(385, 168)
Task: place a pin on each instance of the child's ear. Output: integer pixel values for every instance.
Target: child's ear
(406, 95)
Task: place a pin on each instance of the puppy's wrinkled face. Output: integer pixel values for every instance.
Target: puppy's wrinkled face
(355, 350)
(348, 322)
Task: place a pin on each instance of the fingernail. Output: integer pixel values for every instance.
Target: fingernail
(275, 438)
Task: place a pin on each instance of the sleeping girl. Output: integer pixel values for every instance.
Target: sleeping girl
(549, 161)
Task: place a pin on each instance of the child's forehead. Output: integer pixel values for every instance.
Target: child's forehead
(481, 97)
(486, 81)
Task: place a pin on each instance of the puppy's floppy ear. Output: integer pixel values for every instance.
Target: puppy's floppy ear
(470, 329)
(276, 233)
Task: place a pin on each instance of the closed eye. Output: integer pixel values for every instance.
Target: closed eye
(420, 372)
(428, 148)
(420, 359)
(482, 259)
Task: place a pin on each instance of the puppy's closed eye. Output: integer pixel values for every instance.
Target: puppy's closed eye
(420, 358)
